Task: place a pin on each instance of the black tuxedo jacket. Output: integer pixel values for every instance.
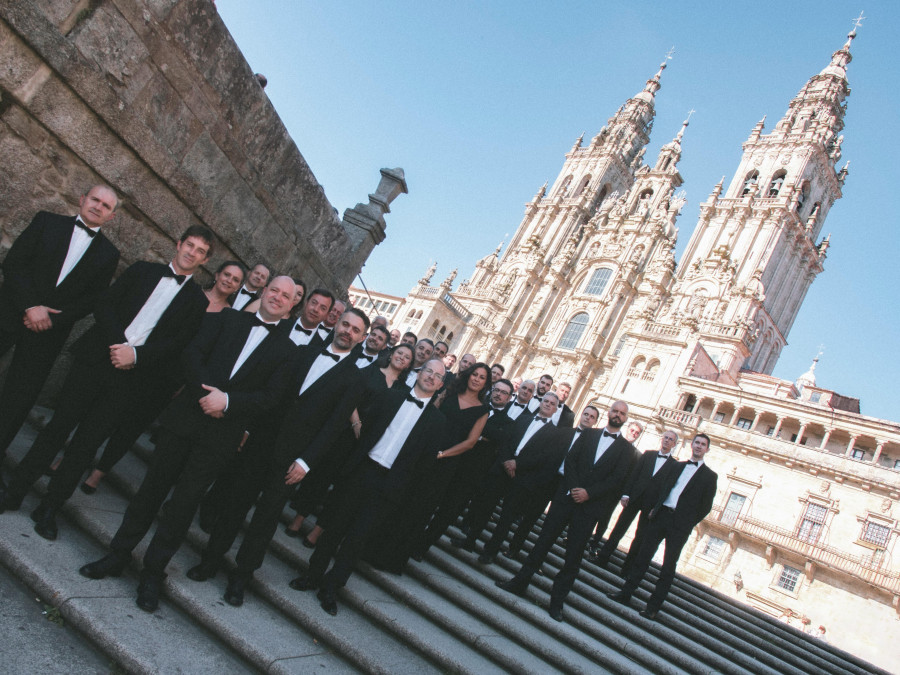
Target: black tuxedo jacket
(603, 479)
(287, 325)
(427, 437)
(120, 304)
(537, 466)
(526, 411)
(566, 417)
(642, 474)
(696, 499)
(34, 262)
(314, 418)
(258, 385)
(514, 435)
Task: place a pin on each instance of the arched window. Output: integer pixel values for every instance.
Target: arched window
(804, 193)
(572, 334)
(604, 192)
(564, 188)
(598, 281)
(442, 331)
(750, 183)
(412, 314)
(775, 185)
(449, 338)
(435, 325)
(581, 186)
(638, 363)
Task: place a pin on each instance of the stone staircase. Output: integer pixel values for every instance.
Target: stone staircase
(443, 615)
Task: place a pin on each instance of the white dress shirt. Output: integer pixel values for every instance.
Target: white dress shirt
(557, 415)
(536, 425)
(562, 467)
(256, 336)
(686, 474)
(389, 445)
(78, 244)
(365, 359)
(143, 324)
(603, 445)
(412, 377)
(319, 367)
(535, 402)
(515, 410)
(299, 336)
(660, 460)
(241, 300)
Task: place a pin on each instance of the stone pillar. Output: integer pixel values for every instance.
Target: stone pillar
(777, 427)
(800, 433)
(825, 439)
(755, 421)
(850, 446)
(878, 450)
(734, 418)
(715, 409)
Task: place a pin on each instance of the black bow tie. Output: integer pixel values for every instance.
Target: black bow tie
(606, 433)
(521, 405)
(368, 358)
(542, 420)
(305, 331)
(538, 398)
(246, 292)
(179, 278)
(259, 322)
(90, 232)
(327, 353)
(690, 461)
(413, 399)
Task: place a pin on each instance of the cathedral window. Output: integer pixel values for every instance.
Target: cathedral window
(603, 195)
(563, 191)
(750, 183)
(619, 346)
(873, 533)
(811, 524)
(732, 508)
(804, 194)
(581, 187)
(598, 281)
(775, 185)
(788, 579)
(574, 330)
(689, 403)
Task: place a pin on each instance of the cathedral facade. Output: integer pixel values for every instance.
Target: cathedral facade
(588, 290)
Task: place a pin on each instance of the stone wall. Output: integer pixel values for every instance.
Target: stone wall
(154, 98)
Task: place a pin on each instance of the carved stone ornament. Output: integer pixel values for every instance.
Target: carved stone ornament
(886, 505)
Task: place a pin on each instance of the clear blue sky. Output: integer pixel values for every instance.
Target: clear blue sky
(479, 101)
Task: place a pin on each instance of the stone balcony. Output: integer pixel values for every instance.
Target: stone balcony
(776, 539)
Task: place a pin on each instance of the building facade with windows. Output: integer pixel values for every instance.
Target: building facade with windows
(805, 525)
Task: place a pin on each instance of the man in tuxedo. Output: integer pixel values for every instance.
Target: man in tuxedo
(327, 387)
(143, 323)
(440, 349)
(305, 330)
(543, 386)
(52, 275)
(594, 471)
(648, 466)
(371, 348)
(409, 338)
(564, 416)
(535, 473)
(633, 432)
(421, 354)
(395, 338)
(237, 367)
(681, 496)
(335, 313)
(253, 286)
(521, 405)
(473, 465)
(497, 372)
(400, 430)
(498, 481)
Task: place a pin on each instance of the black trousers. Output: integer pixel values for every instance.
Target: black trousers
(358, 511)
(519, 503)
(626, 517)
(187, 467)
(563, 511)
(31, 364)
(660, 528)
(495, 487)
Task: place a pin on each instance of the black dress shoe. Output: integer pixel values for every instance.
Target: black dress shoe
(621, 597)
(327, 600)
(202, 572)
(40, 512)
(303, 583)
(234, 592)
(8, 502)
(88, 489)
(513, 586)
(486, 558)
(307, 543)
(293, 534)
(463, 542)
(649, 613)
(110, 565)
(46, 526)
(555, 613)
(148, 594)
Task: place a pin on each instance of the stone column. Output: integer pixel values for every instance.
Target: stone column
(878, 450)
(734, 418)
(800, 433)
(850, 446)
(777, 427)
(825, 439)
(755, 421)
(712, 415)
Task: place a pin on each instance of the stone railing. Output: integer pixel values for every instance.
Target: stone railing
(682, 417)
(869, 570)
(641, 374)
(725, 330)
(662, 330)
(429, 291)
(456, 307)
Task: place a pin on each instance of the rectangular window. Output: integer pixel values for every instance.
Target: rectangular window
(874, 533)
(859, 453)
(713, 548)
(732, 508)
(597, 283)
(720, 417)
(744, 423)
(812, 523)
(815, 397)
(793, 437)
(770, 431)
(618, 349)
(788, 578)
(897, 464)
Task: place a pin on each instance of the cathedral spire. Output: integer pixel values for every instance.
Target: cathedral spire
(649, 91)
